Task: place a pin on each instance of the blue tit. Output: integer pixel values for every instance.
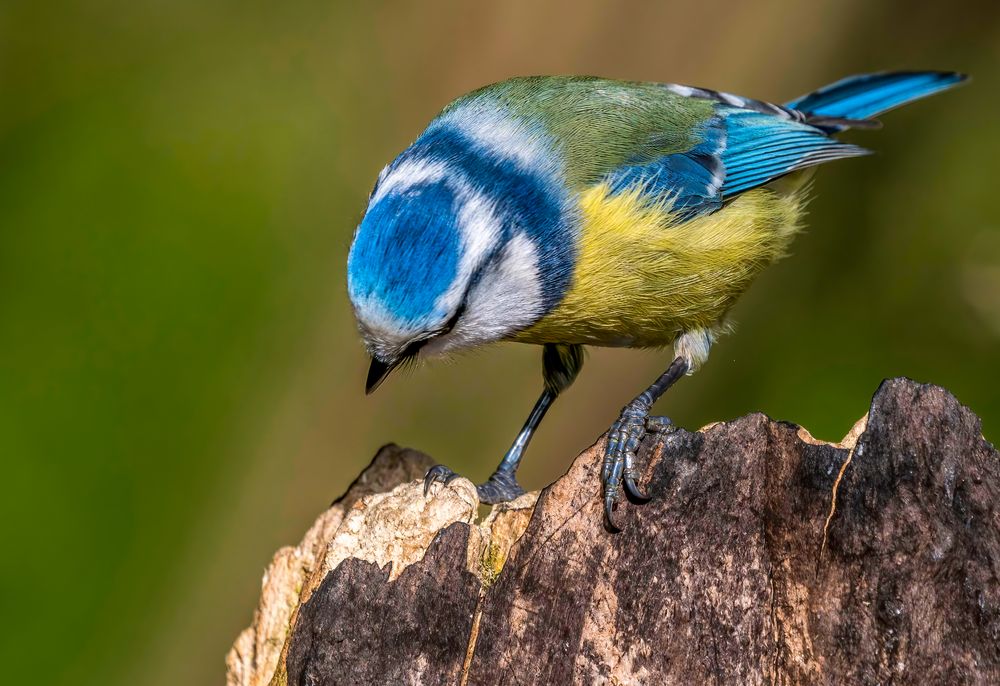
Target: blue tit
(573, 211)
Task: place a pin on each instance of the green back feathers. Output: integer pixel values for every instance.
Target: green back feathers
(598, 124)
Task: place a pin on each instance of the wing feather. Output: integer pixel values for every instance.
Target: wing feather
(763, 148)
(739, 149)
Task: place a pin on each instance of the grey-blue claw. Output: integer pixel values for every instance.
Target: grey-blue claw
(618, 473)
(656, 425)
(439, 474)
(609, 521)
(633, 492)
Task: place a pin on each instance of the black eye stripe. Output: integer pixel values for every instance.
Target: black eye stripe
(450, 324)
(414, 347)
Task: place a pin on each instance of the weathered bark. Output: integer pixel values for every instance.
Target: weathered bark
(741, 569)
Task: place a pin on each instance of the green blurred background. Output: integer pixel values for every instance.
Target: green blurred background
(180, 380)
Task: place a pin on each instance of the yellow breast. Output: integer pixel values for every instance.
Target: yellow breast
(640, 280)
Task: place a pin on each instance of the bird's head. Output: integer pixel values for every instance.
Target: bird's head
(432, 267)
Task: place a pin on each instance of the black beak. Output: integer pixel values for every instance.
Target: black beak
(378, 371)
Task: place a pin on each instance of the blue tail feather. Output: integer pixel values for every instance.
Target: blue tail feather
(861, 97)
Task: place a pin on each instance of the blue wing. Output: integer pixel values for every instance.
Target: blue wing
(762, 147)
(691, 180)
(749, 143)
(738, 149)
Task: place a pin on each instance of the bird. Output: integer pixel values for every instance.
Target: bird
(573, 211)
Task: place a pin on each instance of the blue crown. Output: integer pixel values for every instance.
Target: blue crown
(406, 253)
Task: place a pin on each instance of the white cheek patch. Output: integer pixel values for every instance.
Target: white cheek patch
(508, 297)
(480, 227)
(477, 216)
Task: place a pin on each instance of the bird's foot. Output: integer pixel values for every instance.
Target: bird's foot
(501, 487)
(659, 425)
(619, 469)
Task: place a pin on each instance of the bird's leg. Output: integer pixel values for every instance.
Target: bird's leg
(560, 365)
(624, 438)
(502, 485)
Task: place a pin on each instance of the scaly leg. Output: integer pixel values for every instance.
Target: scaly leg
(624, 438)
(560, 365)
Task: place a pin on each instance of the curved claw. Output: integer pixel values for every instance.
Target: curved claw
(618, 472)
(659, 425)
(609, 521)
(633, 492)
(439, 474)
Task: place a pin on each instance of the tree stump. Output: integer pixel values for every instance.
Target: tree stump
(765, 557)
